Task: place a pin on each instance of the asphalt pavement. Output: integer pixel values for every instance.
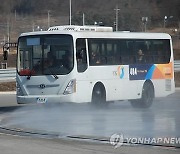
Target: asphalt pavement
(27, 145)
(82, 121)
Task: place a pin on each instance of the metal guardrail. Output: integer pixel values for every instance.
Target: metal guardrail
(7, 75)
(10, 74)
(177, 65)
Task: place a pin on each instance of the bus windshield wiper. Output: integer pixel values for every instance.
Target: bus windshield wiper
(32, 71)
(52, 72)
(29, 77)
(30, 74)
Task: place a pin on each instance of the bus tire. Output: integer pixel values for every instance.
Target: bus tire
(146, 98)
(99, 95)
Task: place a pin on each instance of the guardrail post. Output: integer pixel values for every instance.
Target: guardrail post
(3, 65)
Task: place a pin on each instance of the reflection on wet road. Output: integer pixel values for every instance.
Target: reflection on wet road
(161, 120)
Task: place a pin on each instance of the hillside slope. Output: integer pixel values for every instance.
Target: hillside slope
(130, 12)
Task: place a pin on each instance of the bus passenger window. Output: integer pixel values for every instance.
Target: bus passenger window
(132, 59)
(140, 57)
(81, 55)
(118, 60)
(95, 60)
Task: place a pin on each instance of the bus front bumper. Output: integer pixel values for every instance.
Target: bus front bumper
(43, 99)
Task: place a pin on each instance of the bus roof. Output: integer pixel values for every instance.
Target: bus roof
(98, 32)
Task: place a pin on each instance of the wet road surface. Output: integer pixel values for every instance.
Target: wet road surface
(161, 120)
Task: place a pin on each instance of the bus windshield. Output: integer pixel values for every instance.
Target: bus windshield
(45, 55)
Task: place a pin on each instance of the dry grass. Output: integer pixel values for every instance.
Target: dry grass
(177, 79)
(8, 86)
(11, 60)
(177, 54)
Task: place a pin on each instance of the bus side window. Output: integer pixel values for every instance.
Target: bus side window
(81, 55)
(167, 51)
(149, 55)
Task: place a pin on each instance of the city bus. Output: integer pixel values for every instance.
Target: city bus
(93, 64)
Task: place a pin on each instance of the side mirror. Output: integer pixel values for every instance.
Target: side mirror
(5, 54)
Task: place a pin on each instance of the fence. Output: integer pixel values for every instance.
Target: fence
(7, 75)
(177, 65)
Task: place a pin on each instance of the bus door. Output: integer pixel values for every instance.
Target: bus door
(82, 65)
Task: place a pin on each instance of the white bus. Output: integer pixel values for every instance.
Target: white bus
(93, 64)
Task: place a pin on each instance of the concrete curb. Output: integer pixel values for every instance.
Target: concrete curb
(177, 88)
(7, 92)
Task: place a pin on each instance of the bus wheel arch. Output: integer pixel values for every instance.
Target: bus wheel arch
(151, 85)
(147, 96)
(98, 94)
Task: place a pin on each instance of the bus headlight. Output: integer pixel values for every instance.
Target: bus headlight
(71, 87)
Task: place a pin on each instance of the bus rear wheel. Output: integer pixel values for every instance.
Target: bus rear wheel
(146, 98)
(99, 96)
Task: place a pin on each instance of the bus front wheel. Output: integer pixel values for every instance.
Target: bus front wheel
(146, 98)
(99, 95)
